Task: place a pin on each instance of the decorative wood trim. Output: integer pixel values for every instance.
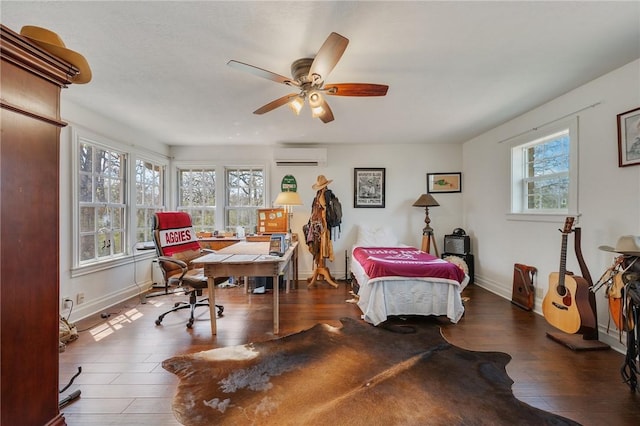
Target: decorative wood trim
(21, 52)
(6, 105)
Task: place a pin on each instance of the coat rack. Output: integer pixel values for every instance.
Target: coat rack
(320, 246)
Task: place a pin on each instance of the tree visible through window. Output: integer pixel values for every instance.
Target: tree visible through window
(544, 175)
(149, 197)
(245, 194)
(197, 196)
(101, 202)
(546, 179)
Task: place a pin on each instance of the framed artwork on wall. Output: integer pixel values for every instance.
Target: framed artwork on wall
(444, 182)
(629, 138)
(368, 187)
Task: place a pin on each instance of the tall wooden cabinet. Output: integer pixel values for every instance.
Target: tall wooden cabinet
(31, 80)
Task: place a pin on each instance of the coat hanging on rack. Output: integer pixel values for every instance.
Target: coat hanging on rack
(318, 234)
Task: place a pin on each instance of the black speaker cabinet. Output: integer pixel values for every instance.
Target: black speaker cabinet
(468, 258)
(457, 244)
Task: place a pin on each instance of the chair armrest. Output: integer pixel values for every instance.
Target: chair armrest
(169, 259)
(183, 266)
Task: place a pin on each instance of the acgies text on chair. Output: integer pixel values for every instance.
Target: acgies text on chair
(176, 245)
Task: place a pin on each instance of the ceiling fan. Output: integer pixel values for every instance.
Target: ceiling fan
(308, 75)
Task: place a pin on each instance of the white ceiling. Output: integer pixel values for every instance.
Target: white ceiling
(454, 69)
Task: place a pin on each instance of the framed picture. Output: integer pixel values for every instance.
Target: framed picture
(368, 188)
(629, 138)
(444, 182)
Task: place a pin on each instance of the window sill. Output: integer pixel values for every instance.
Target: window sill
(541, 217)
(112, 263)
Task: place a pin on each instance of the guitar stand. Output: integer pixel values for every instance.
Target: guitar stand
(586, 339)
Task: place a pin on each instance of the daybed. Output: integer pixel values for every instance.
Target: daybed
(395, 279)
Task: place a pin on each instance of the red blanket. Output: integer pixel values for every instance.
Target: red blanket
(405, 262)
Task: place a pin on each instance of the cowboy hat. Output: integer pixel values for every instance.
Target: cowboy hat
(321, 182)
(52, 43)
(627, 244)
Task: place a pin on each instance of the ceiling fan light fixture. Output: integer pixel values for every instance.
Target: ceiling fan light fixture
(317, 111)
(296, 104)
(315, 99)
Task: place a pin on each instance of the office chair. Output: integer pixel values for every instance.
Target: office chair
(176, 246)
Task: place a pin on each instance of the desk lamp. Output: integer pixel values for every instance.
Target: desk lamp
(426, 201)
(288, 199)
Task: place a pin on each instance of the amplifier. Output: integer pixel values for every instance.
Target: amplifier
(457, 244)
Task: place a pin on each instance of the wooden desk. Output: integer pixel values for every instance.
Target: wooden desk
(250, 260)
(217, 243)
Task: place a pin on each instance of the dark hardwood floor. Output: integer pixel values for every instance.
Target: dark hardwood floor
(123, 383)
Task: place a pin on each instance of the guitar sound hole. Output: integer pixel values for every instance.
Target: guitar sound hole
(562, 291)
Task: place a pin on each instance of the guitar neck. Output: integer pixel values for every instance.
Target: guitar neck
(563, 261)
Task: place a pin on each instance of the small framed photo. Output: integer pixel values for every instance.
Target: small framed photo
(368, 187)
(629, 138)
(444, 182)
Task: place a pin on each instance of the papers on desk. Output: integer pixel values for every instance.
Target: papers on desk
(235, 258)
(268, 257)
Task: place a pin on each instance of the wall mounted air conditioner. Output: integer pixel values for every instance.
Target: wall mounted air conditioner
(300, 157)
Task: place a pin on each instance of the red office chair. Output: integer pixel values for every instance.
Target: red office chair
(176, 246)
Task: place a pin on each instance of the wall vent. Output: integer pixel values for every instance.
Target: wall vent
(286, 157)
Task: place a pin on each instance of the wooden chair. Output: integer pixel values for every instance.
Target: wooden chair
(177, 245)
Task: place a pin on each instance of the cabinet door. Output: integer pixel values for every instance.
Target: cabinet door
(30, 268)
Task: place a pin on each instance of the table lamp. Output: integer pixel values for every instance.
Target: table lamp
(426, 201)
(288, 199)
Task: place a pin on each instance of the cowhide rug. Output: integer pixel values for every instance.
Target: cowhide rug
(353, 375)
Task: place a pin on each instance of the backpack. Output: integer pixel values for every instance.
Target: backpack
(334, 210)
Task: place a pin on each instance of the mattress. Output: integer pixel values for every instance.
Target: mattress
(384, 296)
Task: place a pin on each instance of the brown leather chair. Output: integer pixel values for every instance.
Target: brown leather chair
(176, 246)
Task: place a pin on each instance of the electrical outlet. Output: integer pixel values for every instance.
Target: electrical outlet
(80, 298)
(66, 303)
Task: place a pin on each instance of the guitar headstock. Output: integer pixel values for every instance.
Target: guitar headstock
(568, 225)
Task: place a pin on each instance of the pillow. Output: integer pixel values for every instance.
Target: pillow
(376, 236)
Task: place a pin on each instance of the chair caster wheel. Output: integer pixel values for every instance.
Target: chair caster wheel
(158, 322)
(220, 310)
(175, 305)
(190, 324)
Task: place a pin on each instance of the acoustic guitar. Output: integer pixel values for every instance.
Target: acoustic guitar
(559, 306)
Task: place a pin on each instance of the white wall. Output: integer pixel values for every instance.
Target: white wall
(609, 196)
(108, 286)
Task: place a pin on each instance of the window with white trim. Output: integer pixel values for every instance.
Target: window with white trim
(197, 196)
(101, 199)
(149, 196)
(245, 189)
(544, 171)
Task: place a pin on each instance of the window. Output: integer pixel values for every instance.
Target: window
(149, 197)
(116, 190)
(245, 194)
(544, 171)
(197, 196)
(101, 203)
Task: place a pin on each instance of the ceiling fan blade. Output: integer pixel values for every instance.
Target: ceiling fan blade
(356, 89)
(327, 115)
(328, 56)
(275, 104)
(261, 73)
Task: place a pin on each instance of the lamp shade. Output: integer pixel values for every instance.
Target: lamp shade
(288, 198)
(426, 200)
